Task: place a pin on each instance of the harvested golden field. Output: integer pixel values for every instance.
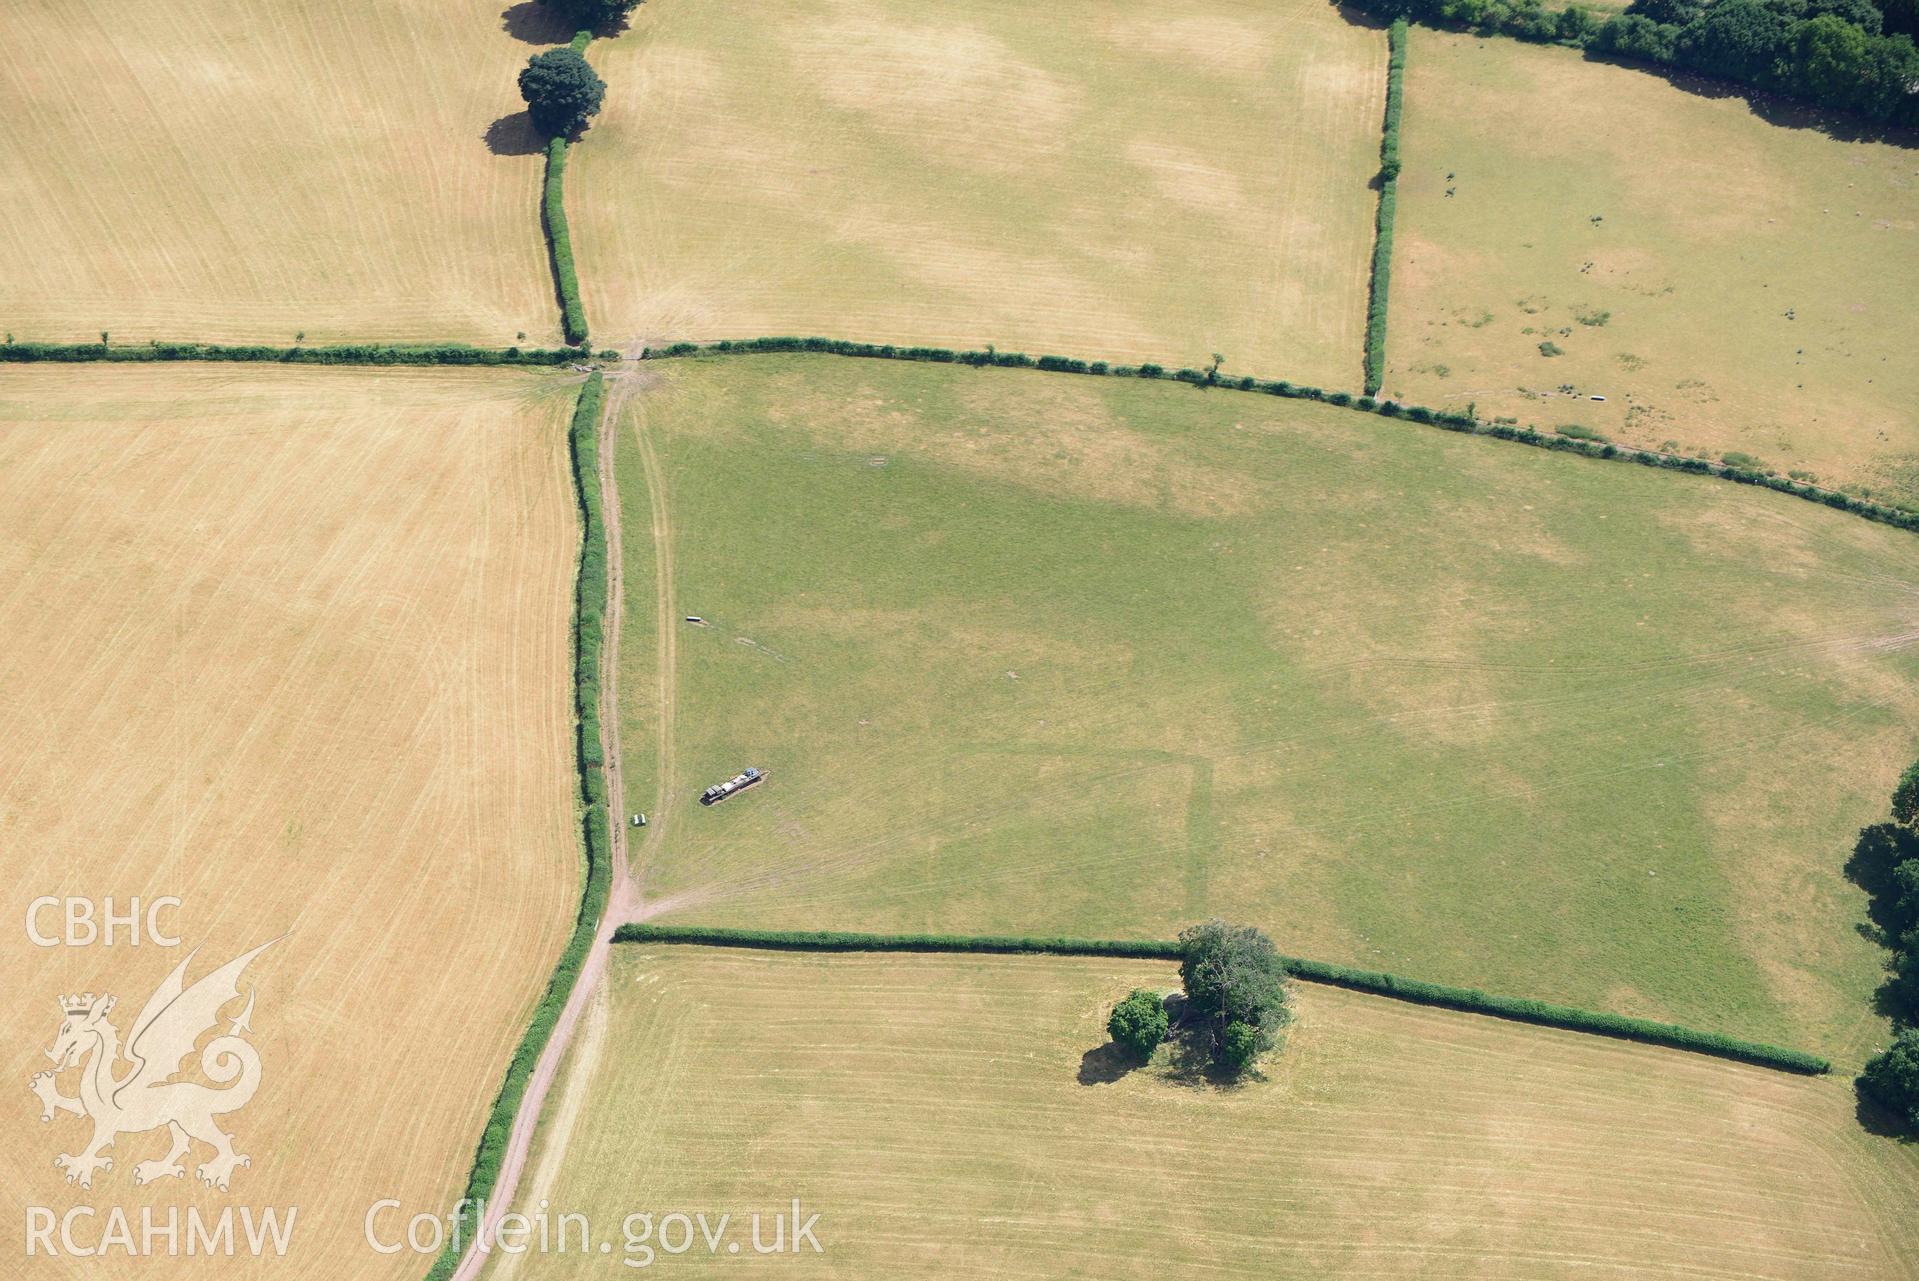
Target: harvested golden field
(217, 172)
(1094, 178)
(294, 647)
(1727, 283)
(959, 1116)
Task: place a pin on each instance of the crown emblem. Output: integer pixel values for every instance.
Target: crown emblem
(81, 1005)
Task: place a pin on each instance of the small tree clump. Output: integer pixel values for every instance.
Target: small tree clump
(1138, 1023)
(1234, 977)
(562, 92)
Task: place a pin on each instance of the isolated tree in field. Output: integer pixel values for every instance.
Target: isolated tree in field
(1233, 974)
(1905, 797)
(562, 92)
(593, 15)
(1892, 1079)
(1138, 1023)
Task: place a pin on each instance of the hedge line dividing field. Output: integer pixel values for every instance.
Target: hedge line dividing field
(844, 941)
(1468, 1000)
(559, 243)
(1388, 207)
(589, 620)
(338, 354)
(1455, 422)
(559, 240)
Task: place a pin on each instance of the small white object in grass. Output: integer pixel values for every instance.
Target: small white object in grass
(1598, 397)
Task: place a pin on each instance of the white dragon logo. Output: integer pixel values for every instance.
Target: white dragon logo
(143, 1098)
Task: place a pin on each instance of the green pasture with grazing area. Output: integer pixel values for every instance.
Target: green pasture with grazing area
(966, 1117)
(1034, 653)
(1732, 279)
(1101, 178)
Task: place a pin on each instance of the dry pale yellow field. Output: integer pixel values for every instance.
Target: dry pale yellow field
(1096, 178)
(954, 1117)
(196, 170)
(293, 646)
(1727, 283)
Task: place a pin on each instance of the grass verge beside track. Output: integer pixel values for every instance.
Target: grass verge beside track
(589, 622)
(1469, 1000)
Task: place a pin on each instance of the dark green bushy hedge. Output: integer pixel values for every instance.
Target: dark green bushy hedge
(1547, 1014)
(841, 941)
(338, 354)
(559, 243)
(1456, 422)
(590, 590)
(1388, 208)
(1470, 1000)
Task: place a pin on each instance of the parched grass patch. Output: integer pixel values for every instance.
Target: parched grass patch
(1037, 655)
(349, 170)
(1731, 281)
(1113, 180)
(966, 1116)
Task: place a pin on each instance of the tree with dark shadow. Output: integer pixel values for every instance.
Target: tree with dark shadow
(1885, 864)
(1137, 1025)
(1890, 1085)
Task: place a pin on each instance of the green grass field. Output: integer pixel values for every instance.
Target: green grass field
(1034, 653)
(1107, 180)
(1728, 283)
(958, 1117)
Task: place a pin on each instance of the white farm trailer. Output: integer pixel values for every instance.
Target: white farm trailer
(739, 782)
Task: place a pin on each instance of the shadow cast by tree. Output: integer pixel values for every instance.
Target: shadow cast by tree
(558, 22)
(514, 135)
(1191, 1063)
(1105, 1064)
(1876, 855)
(536, 23)
(1876, 1120)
